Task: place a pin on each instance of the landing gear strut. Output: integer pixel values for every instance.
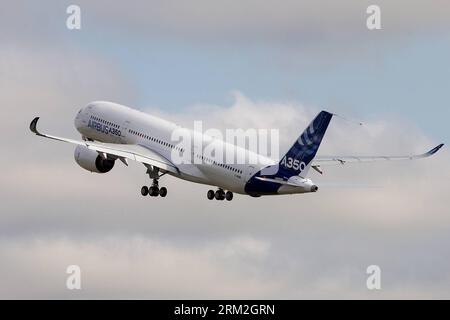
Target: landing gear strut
(154, 190)
(219, 195)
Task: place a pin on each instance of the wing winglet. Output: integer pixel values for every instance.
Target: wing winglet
(434, 150)
(33, 126)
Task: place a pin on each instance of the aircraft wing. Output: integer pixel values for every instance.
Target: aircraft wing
(334, 160)
(121, 151)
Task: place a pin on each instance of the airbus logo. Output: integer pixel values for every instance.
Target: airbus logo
(100, 127)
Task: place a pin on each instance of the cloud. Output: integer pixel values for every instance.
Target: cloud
(50, 81)
(308, 27)
(134, 267)
(315, 25)
(238, 267)
(188, 247)
(391, 183)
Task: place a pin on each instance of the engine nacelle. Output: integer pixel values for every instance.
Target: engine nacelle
(92, 161)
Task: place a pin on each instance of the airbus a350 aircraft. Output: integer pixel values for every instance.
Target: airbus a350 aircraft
(112, 132)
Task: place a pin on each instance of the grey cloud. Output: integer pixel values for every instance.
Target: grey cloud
(291, 23)
(319, 264)
(134, 267)
(310, 25)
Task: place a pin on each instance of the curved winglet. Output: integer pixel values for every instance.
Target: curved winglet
(434, 150)
(33, 126)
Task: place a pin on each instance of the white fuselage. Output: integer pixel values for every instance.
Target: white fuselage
(113, 123)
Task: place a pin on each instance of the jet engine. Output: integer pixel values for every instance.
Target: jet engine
(92, 161)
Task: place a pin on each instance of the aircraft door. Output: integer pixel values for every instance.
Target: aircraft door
(124, 131)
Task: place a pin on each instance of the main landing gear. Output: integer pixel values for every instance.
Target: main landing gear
(154, 190)
(219, 195)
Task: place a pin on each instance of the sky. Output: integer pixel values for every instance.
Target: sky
(231, 64)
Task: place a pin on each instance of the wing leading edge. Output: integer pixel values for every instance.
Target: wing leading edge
(122, 151)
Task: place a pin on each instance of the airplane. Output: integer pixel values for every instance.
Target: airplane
(112, 132)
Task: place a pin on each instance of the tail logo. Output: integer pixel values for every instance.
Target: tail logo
(297, 160)
(291, 163)
(308, 140)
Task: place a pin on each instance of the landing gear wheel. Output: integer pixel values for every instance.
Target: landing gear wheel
(163, 192)
(229, 195)
(153, 191)
(210, 194)
(144, 191)
(219, 195)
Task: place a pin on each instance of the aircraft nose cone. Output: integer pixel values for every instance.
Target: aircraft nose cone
(77, 122)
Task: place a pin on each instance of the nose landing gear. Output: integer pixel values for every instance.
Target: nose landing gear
(219, 195)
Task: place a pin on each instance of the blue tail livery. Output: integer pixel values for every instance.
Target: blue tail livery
(297, 160)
